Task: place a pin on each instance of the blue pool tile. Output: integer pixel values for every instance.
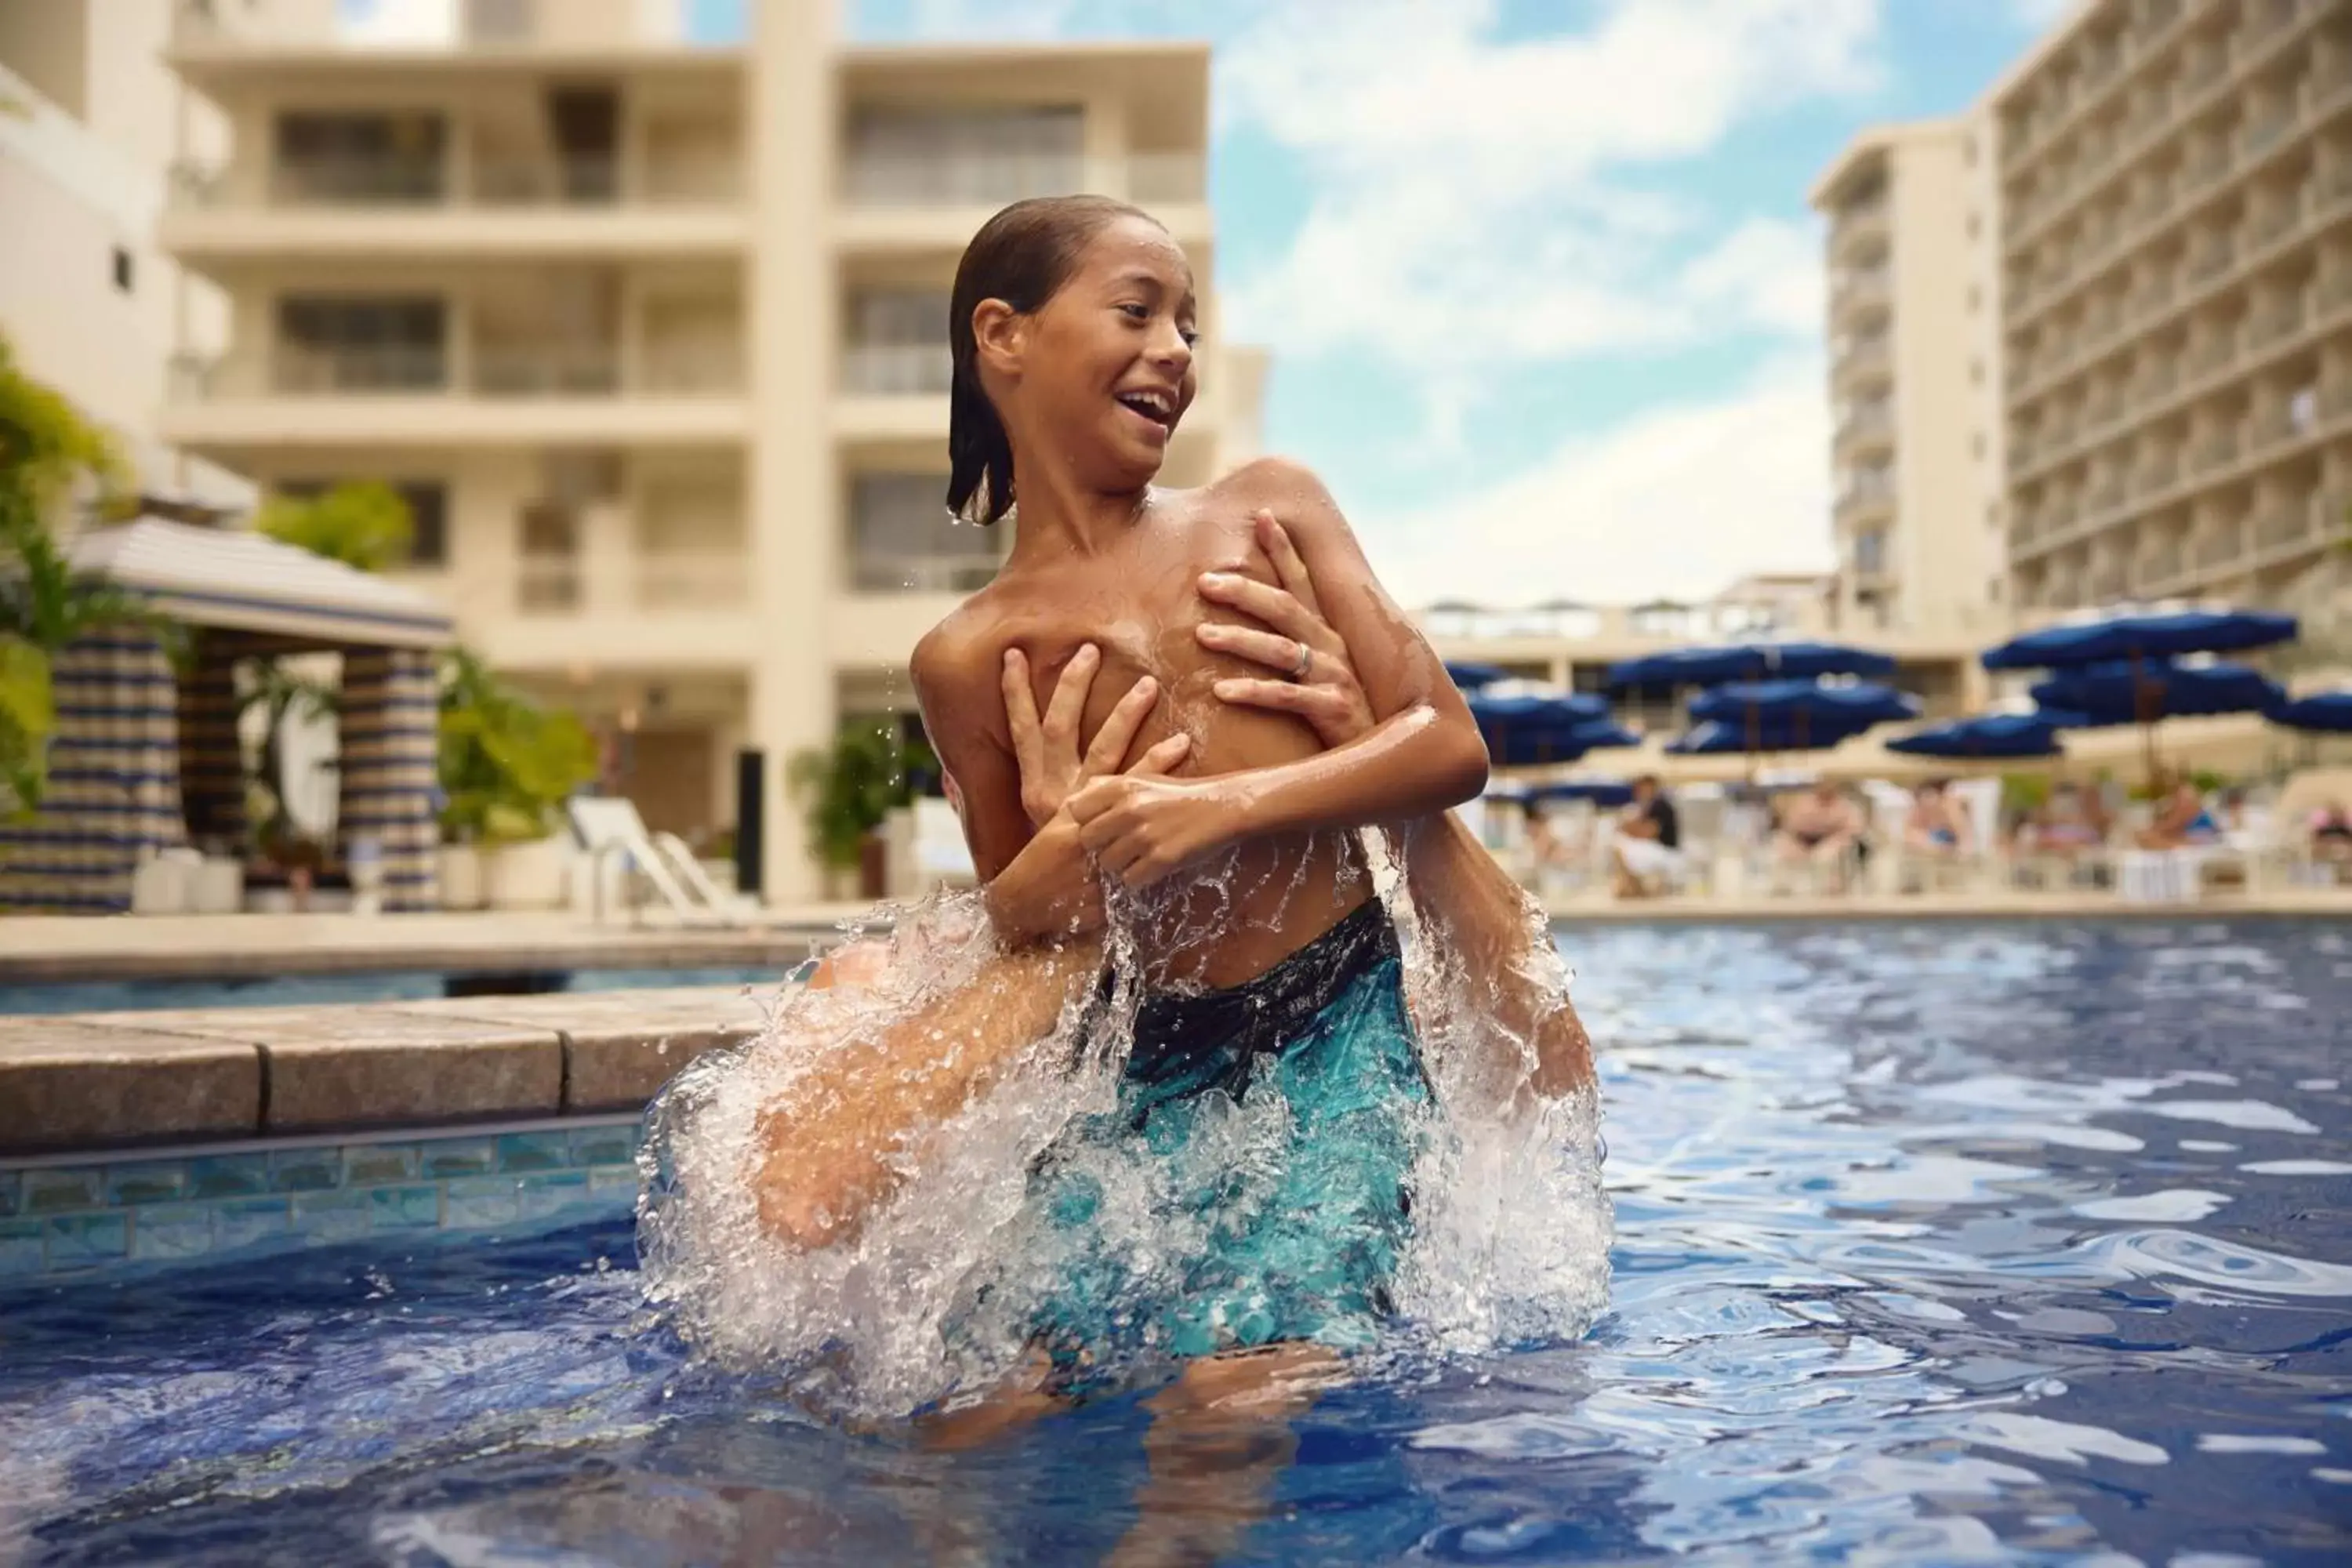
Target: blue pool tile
(614, 1180)
(171, 1230)
(87, 1240)
(332, 1216)
(10, 1187)
(478, 1202)
(413, 1207)
(546, 1193)
(21, 1250)
(240, 1222)
(457, 1157)
(146, 1181)
(64, 1187)
(532, 1151)
(607, 1145)
(380, 1164)
(229, 1176)
(305, 1170)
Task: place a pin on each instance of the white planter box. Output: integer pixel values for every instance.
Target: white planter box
(536, 876)
(459, 871)
(217, 887)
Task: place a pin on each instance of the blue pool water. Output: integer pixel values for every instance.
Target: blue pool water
(1936, 1245)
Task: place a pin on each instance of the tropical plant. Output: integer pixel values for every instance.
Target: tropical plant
(847, 789)
(363, 523)
(506, 764)
(50, 456)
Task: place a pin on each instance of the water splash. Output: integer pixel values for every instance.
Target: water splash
(933, 1297)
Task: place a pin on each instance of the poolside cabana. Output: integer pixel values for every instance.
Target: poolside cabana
(145, 757)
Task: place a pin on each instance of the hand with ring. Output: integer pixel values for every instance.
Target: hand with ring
(1315, 679)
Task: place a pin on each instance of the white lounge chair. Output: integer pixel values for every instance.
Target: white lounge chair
(609, 828)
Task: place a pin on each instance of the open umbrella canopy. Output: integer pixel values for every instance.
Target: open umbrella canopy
(1747, 661)
(1475, 677)
(1987, 735)
(2108, 694)
(2324, 710)
(1605, 734)
(2156, 635)
(1720, 737)
(1802, 702)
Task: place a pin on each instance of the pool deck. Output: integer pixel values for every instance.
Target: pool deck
(40, 949)
(119, 1080)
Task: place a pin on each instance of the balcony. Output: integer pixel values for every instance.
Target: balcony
(377, 207)
(1860, 291)
(673, 609)
(1865, 361)
(893, 202)
(2158, 567)
(1868, 497)
(491, 394)
(2219, 548)
(897, 370)
(1865, 429)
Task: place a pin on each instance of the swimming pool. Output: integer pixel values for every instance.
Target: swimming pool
(1936, 1245)
(334, 990)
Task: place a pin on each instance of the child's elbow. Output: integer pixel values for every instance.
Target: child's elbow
(1467, 764)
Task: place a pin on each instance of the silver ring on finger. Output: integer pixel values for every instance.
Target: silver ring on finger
(1305, 662)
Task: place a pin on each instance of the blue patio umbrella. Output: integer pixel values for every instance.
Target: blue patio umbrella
(1985, 735)
(1523, 730)
(1749, 661)
(2160, 635)
(2110, 694)
(1718, 737)
(1803, 702)
(1476, 677)
(2327, 711)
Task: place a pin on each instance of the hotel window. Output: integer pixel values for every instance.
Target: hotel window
(902, 540)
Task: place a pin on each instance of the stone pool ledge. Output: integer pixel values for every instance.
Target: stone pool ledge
(90, 1082)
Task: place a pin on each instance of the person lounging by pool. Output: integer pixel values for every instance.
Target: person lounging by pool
(1260, 954)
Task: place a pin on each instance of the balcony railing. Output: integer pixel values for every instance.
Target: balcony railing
(994, 180)
(683, 580)
(1872, 424)
(896, 369)
(962, 573)
(430, 181)
(548, 584)
(530, 371)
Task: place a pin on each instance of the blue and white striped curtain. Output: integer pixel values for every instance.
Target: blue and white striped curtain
(389, 729)
(114, 782)
(211, 759)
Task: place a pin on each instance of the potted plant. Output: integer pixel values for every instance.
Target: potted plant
(849, 789)
(507, 766)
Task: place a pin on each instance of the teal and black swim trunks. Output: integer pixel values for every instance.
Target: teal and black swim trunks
(1299, 1239)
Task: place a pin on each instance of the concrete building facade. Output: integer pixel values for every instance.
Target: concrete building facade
(653, 334)
(91, 122)
(2176, 259)
(1914, 451)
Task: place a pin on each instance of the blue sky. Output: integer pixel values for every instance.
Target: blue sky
(1542, 289)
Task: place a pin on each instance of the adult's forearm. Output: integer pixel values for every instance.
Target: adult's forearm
(1484, 916)
(830, 1149)
(1049, 891)
(1410, 765)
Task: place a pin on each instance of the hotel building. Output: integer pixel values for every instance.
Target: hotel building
(1913, 370)
(2177, 258)
(653, 333)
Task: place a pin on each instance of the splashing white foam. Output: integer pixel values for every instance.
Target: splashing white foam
(935, 1295)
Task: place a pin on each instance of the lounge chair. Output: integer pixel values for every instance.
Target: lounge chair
(608, 826)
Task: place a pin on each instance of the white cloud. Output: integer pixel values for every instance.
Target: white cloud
(2040, 15)
(1677, 500)
(1473, 200)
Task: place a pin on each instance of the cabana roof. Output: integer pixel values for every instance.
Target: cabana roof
(220, 577)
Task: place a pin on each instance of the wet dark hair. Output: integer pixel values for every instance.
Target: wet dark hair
(1023, 255)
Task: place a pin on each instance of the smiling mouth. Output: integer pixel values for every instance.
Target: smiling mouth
(1159, 407)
